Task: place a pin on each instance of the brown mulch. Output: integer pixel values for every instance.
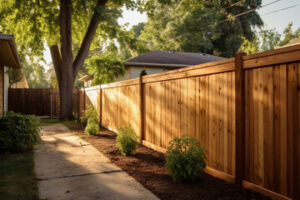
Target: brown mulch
(147, 167)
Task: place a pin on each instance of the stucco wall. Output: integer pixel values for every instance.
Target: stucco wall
(126, 75)
(134, 72)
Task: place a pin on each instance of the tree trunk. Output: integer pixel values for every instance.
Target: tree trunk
(66, 71)
(66, 98)
(67, 78)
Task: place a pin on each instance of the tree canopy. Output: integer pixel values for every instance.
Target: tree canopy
(36, 23)
(267, 39)
(200, 26)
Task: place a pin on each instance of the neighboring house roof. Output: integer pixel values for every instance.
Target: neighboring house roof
(8, 52)
(171, 59)
(86, 78)
(292, 43)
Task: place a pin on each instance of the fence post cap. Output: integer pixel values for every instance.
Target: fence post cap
(240, 52)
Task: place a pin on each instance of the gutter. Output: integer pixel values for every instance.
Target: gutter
(141, 64)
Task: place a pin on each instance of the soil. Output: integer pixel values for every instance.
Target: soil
(147, 167)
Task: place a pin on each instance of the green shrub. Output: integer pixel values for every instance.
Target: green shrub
(126, 140)
(90, 113)
(92, 127)
(18, 132)
(184, 158)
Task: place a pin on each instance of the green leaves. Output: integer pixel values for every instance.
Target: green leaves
(105, 67)
(126, 140)
(92, 120)
(199, 26)
(185, 158)
(18, 132)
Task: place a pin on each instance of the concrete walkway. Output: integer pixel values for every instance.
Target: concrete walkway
(68, 168)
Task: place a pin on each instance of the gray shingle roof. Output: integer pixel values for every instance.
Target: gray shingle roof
(171, 59)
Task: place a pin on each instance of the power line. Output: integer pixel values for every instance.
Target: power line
(235, 4)
(232, 5)
(249, 11)
(275, 11)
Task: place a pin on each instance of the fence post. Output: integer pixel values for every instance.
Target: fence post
(239, 118)
(141, 92)
(78, 105)
(100, 96)
(83, 99)
(51, 99)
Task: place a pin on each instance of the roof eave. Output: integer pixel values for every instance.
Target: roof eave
(134, 64)
(12, 44)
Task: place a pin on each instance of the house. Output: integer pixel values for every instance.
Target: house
(87, 79)
(161, 61)
(8, 58)
(157, 62)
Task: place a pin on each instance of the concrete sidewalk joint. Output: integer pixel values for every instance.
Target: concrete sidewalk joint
(87, 174)
(69, 168)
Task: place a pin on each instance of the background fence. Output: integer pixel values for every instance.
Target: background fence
(244, 110)
(38, 101)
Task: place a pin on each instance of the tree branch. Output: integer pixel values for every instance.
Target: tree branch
(88, 38)
(57, 62)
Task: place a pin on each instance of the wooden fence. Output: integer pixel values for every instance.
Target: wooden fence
(244, 110)
(38, 101)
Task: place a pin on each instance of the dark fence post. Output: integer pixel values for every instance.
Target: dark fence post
(50, 102)
(141, 92)
(239, 118)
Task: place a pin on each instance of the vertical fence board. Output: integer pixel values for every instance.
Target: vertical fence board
(247, 118)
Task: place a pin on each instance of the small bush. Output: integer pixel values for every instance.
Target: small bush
(91, 120)
(90, 113)
(126, 140)
(184, 158)
(18, 132)
(92, 127)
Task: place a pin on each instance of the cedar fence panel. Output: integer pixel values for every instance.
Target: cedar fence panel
(260, 149)
(245, 111)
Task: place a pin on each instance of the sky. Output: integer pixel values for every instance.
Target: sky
(278, 20)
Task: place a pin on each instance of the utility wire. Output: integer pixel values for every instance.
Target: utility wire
(249, 11)
(275, 11)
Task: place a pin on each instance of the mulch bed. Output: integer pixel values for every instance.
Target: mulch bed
(147, 167)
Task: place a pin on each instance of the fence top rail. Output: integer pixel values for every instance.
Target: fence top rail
(215, 67)
(129, 82)
(276, 56)
(97, 87)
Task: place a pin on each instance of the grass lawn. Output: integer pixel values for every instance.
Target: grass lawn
(50, 121)
(17, 179)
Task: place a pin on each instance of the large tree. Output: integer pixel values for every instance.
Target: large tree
(268, 39)
(68, 28)
(214, 27)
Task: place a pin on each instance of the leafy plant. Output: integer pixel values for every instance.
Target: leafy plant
(90, 113)
(127, 140)
(184, 158)
(91, 119)
(92, 127)
(18, 132)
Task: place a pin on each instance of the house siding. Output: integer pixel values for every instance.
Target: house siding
(126, 75)
(134, 72)
(1, 90)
